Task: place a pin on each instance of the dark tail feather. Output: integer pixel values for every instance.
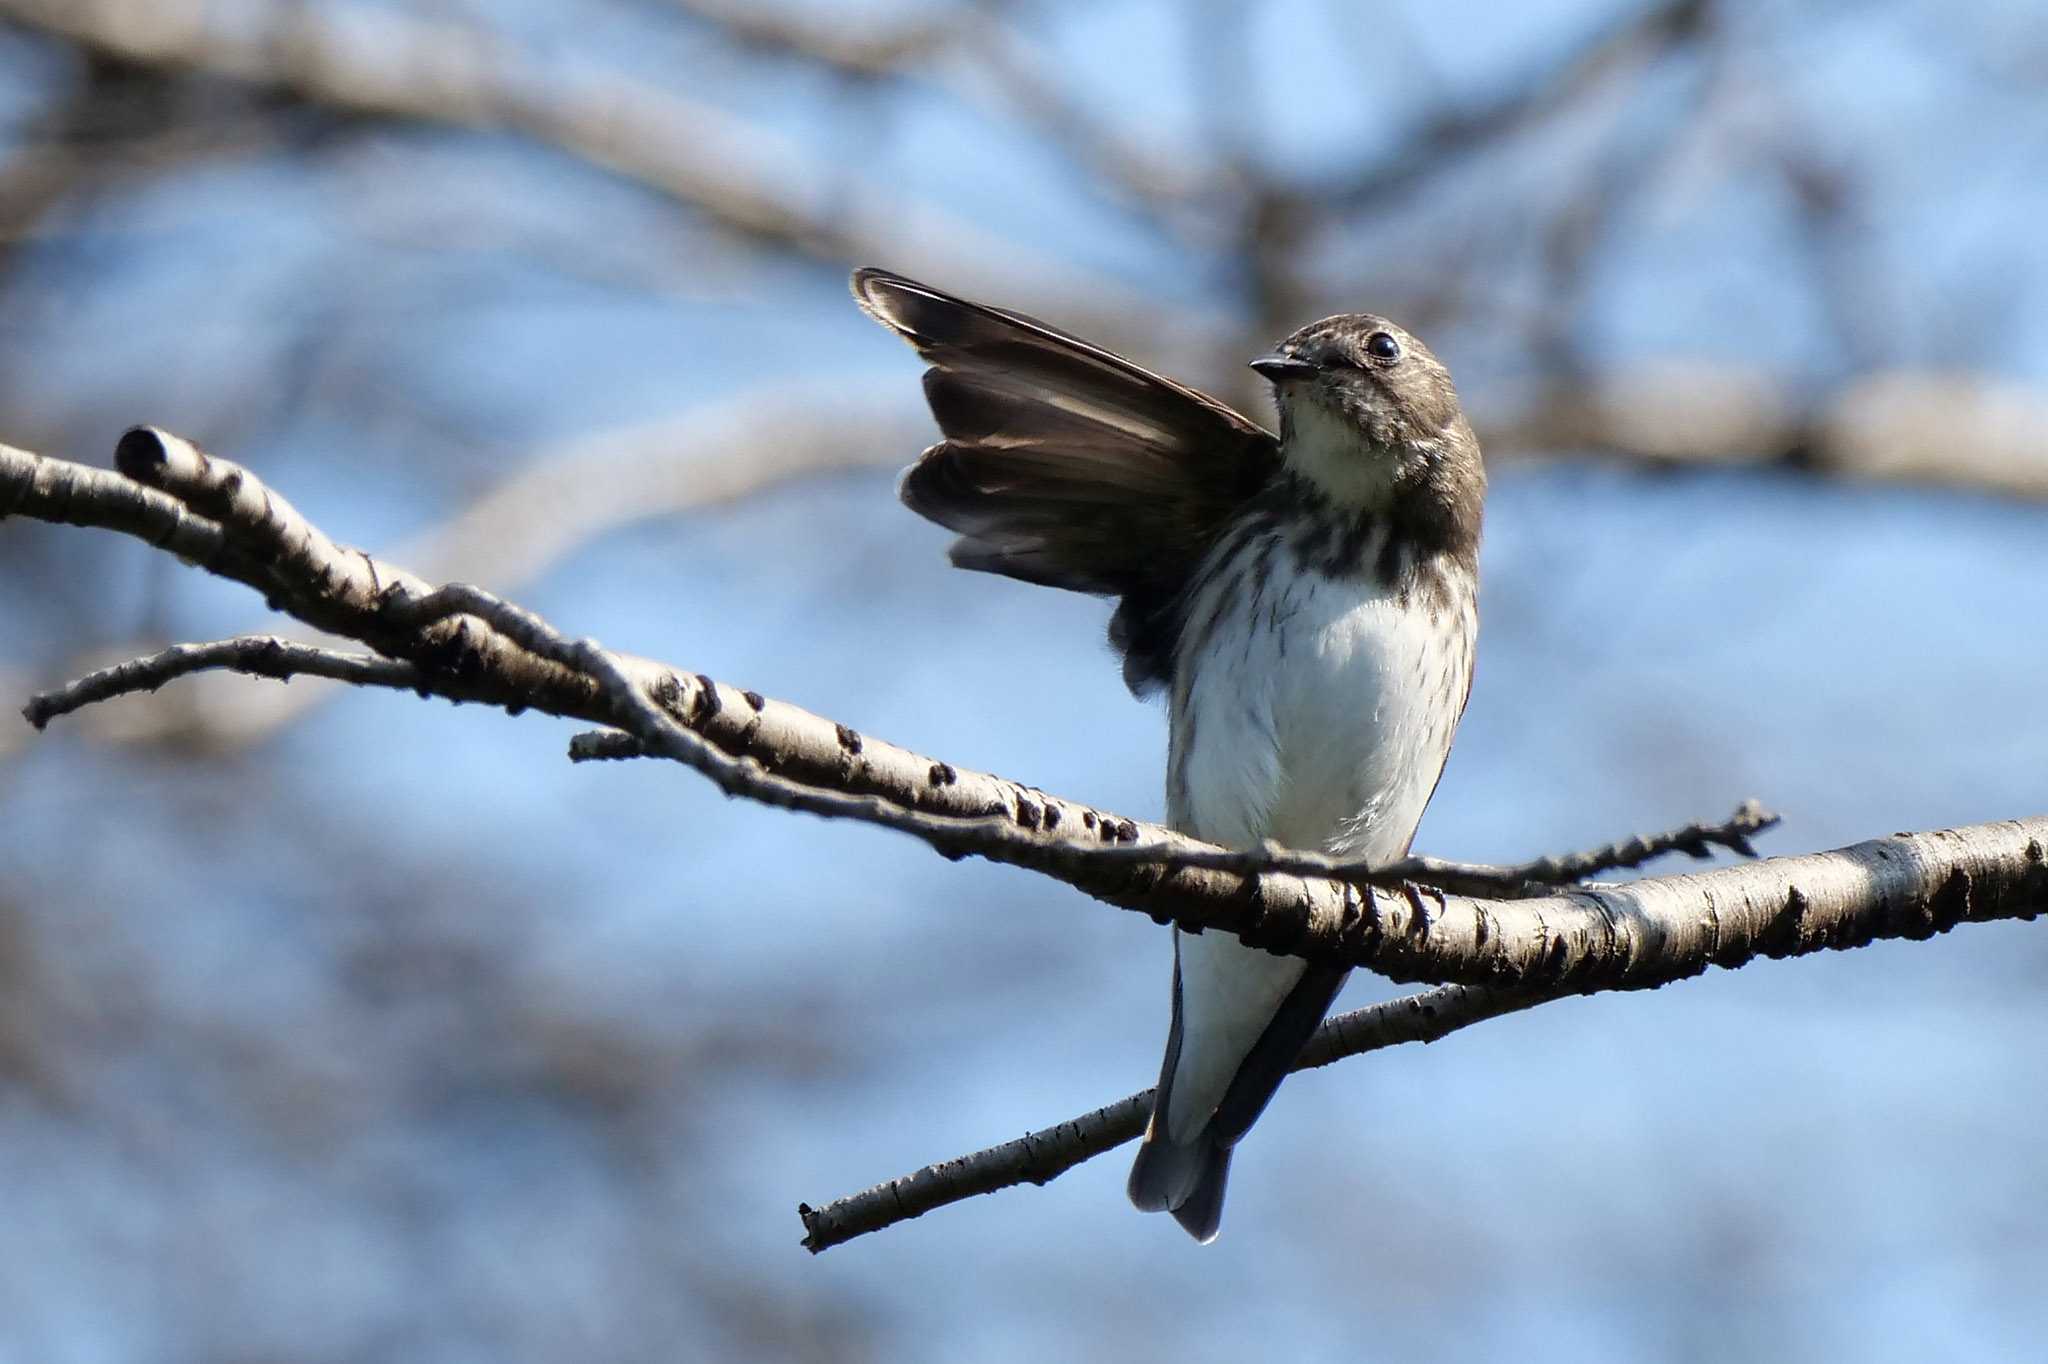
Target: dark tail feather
(1201, 1216)
(1187, 1180)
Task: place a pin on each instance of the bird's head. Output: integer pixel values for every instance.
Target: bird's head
(1368, 415)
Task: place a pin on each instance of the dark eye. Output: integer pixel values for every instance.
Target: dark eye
(1383, 346)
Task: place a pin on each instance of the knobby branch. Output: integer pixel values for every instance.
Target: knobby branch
(1494, 939)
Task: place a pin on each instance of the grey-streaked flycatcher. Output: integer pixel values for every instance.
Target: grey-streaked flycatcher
(1308, 603)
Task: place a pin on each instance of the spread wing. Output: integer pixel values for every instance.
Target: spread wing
(1066, 465)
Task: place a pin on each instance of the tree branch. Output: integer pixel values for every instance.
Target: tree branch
(466, 644)
(1521, 880)
(1524, 880)
(251, 655)
(470, 645)
(1042, 1156)
(566, 496)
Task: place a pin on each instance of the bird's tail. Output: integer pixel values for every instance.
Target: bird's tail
(1187, 1174)
(1187, 1179)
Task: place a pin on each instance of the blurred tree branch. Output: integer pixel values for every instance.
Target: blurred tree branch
(1625, 47)
(1406, 921)
(1022, 81)
(385, 63)
(1890, 426)
(1268, 245)
(897, 49)
(116, 122)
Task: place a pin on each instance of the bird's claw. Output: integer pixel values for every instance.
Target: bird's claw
(1416, 894)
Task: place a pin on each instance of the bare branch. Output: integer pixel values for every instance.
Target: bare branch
(1523, 880)
(252, 655)
(565, 497)
(467, 644)
(1628, 936)
(1042, 1156)
(76, 495)
(1695, 840)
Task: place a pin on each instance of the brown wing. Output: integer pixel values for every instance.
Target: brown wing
(1066, 465)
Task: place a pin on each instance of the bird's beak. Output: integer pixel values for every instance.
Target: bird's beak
(1278, 367)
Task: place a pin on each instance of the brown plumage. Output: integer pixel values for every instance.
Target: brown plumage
(1068, 466)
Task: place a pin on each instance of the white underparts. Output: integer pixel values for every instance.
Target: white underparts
(1313, 710)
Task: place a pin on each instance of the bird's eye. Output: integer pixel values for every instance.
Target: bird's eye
(1382, 346)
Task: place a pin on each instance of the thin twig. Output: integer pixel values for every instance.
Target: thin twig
(1695, 840)
(254, 655)
(1042, 1156)
(1524, 880)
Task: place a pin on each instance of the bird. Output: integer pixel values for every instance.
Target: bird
(1307, 601)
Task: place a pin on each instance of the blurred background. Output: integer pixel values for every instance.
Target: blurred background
(350, 1028)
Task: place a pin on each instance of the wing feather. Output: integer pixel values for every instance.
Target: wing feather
(1066, 465)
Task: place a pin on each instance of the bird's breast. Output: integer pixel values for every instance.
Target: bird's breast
(1315, 709)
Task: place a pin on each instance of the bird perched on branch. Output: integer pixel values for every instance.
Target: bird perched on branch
(1307, 603)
